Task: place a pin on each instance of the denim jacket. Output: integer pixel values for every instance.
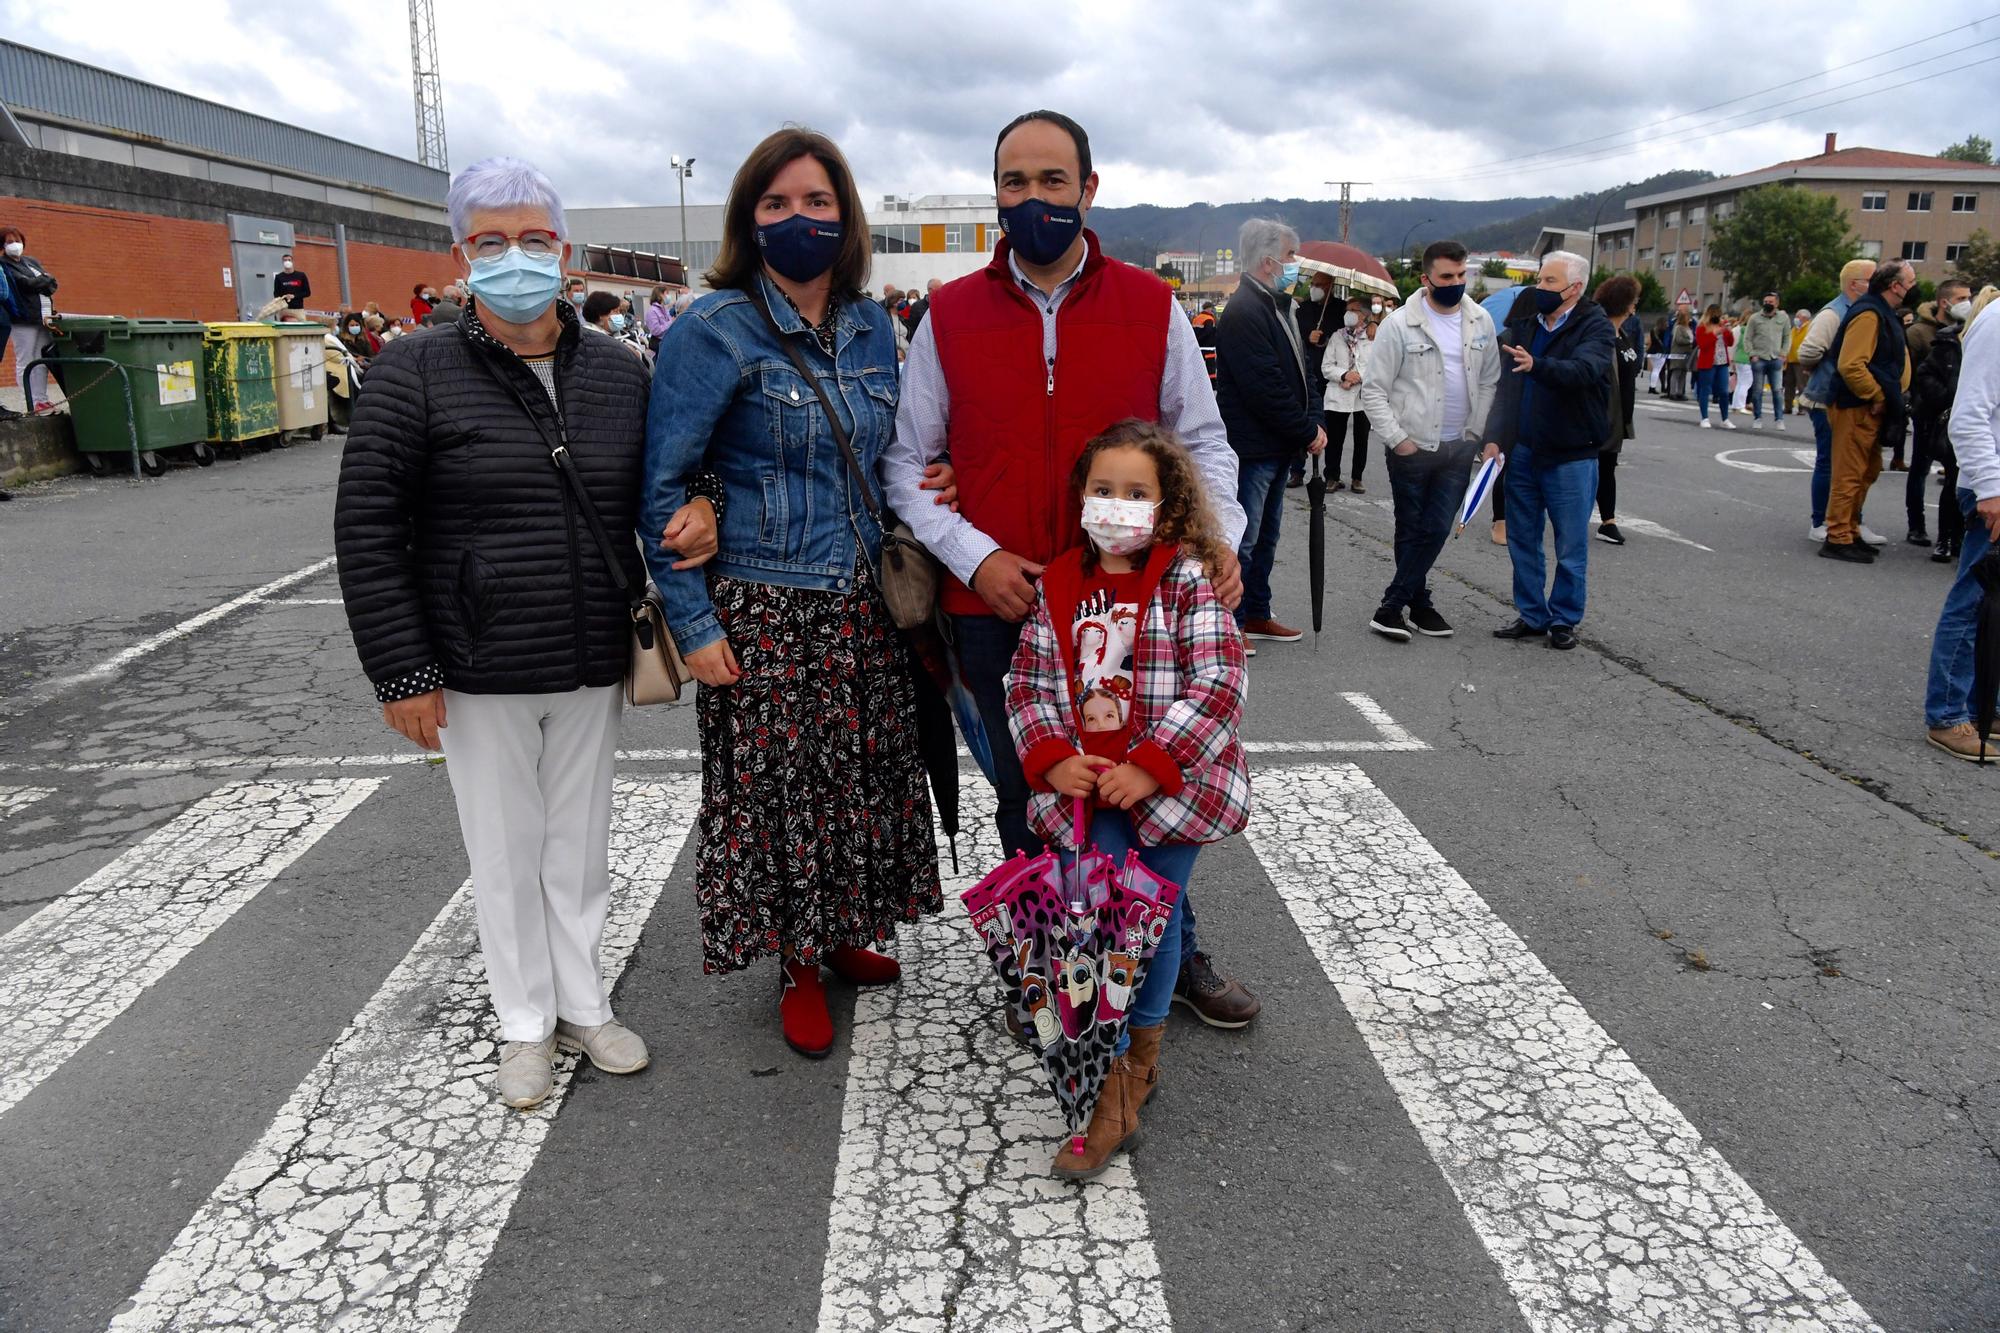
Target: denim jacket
(727, 400)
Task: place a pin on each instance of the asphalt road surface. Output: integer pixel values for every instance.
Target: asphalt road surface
(1647, 986)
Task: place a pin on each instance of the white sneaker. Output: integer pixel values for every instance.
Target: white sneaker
(612, 1047)
(1781, 424)
(1727, 424)
(1818, 534)
(1872, 537)
(1704, 424)
(525, 1075)
(1757, 424)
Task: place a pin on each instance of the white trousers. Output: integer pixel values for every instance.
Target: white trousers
(1739, 399)
(1656, 363)
(31, 341)
(532, 777)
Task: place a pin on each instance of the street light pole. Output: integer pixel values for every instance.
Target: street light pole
(1403, 250)
(682, 170)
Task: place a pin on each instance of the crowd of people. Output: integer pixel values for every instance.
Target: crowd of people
(1103, 517)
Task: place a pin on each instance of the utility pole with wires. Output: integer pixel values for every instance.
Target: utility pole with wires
(1346, 203)
(429, 88)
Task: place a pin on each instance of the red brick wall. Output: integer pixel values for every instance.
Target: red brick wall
(113, 263)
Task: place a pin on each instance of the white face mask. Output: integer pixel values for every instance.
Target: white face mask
(15, 249)
(1352, 319)
(1375, 309)
(1962, 311)
(288, 266)
(1316, 294)
(1118, 527)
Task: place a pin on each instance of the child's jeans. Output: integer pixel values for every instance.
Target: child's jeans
(1111, 833)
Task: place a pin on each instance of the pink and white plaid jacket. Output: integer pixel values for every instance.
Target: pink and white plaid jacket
(1187, 702)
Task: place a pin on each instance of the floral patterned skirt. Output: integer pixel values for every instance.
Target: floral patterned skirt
(815, 828)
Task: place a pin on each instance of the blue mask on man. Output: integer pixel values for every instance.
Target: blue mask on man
(517, 287)
(1287, 277)
(1039, 231)
(1547, 299)
(798, 247)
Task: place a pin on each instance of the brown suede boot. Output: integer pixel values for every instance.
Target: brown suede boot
(1115, 1122)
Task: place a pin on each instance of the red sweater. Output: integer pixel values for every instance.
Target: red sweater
(1018, 424)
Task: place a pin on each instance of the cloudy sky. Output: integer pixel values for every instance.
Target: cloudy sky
(1184, 101)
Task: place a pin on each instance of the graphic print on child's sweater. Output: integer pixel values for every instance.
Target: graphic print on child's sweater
(1104, 632)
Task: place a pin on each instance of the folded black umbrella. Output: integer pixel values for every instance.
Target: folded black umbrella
(1986, 646)
(937, 738)
(1316, 540)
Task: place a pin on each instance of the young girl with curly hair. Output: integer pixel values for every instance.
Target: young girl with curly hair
(1169, 775)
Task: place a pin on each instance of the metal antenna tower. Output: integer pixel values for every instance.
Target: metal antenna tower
(429, 89)
(1346, 203)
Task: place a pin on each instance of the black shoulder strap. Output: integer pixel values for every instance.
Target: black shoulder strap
(832, 417)
(559, 455)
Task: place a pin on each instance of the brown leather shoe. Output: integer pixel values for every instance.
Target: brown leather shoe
(1219, 1001)
(1114, 1125)
(1267, 628)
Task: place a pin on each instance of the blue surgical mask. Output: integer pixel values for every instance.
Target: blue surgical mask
(798, 247)
(618, 323)
(517, 287)
(1039, 231)
(1287, 278)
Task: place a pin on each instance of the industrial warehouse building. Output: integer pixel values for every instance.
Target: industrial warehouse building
(147, 202)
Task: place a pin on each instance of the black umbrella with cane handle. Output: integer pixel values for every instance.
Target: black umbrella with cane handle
(1986, 645)
(1316, 540)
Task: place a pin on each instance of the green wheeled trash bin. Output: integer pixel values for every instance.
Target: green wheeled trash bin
(161, 362)
(242, 385)
(301, 362)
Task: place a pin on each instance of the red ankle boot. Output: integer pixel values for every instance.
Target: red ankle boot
(864, 967)
(802, 1011)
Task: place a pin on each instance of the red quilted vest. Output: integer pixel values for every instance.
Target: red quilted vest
(1018, 425)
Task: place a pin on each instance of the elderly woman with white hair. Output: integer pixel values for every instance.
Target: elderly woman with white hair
(488, 463)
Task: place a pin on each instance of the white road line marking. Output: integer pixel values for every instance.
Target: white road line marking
(13, 800)
(117, 662)
(1647, 528)
(943, 1198)
(375, 1197)
(1393, 736)
(70, 969)
(1597, 1199)
(305, 601)
(1728, 458)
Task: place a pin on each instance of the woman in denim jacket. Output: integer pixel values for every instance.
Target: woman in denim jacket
(815, 837)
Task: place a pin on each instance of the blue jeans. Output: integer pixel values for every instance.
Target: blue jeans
(1428, 489)
(1822, 476)
(1762, 373)
(1565, 492)
(1111, 833)
(1712, 383)
(1948, 695)
(985, 652)
(1260, 489)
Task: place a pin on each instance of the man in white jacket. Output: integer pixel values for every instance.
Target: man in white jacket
(1975, 438)
(1429, 388)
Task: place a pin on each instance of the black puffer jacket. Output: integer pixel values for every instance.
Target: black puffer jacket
(464, 561)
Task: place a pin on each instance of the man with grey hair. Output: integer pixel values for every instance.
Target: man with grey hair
(1552, 415)
(1871, 373)
(1263, 389)
(491, 604)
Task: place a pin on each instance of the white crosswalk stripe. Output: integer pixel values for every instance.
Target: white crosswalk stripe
(70, 969)
(13, 800)
(377, 1193)
(943, 1200)
(1598, 1200)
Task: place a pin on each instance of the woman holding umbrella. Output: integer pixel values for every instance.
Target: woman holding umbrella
(814, 837)
(1126, 693)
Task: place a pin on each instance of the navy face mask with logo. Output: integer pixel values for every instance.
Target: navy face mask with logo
(1039, 231)
(799, 247)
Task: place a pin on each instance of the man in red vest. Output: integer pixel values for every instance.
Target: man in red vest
(1015, 368)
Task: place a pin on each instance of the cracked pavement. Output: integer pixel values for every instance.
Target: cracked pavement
(1716, 831)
